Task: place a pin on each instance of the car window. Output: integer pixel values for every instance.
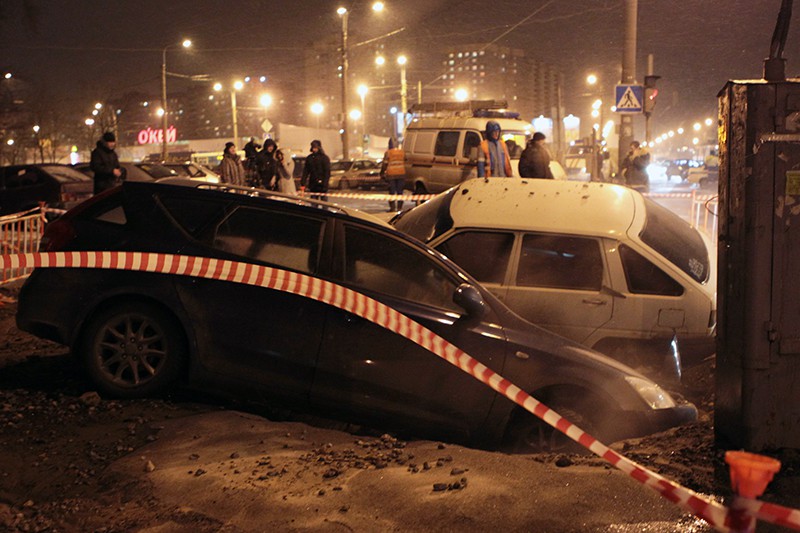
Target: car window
(472, 140)
(158, 171)
(65, 174)
(488, 266)
(562, 262)
(24, 177)
(340, 165)
(644, 277)
(676, 240)
(282, 239)
(446, 143)
(387, 266)
(192, 214)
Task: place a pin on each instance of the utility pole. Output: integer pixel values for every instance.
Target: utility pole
(345, 96)
(648, 134)
(628, 75)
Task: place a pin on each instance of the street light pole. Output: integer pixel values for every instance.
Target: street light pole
(186, 44)
(345, 135)
(403, 87)
(164, 103)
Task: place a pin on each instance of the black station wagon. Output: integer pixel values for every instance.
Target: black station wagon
(138, 333)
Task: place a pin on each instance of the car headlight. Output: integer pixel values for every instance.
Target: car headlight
(652, 394)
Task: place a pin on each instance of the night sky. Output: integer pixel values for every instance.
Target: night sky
(87, 49)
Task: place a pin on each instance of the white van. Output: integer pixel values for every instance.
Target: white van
(594, 262)
(443, 151)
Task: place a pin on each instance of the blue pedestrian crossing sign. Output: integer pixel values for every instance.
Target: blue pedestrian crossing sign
(629, 98)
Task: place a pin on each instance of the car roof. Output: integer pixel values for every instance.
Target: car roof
(545, 205)
(275, 196)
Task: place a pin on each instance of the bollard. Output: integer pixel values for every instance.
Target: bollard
(750, 475)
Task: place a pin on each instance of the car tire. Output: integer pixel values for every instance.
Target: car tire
(527, 433)
(133, 349)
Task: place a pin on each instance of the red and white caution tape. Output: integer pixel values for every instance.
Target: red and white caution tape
(716, 514)
(371, 196)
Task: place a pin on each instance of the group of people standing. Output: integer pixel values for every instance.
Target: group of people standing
(272, 168)
(534, 161)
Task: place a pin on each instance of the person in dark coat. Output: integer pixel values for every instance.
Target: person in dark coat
(535, 159)
(267, 166)
(105, 164)
(317, 170)
(634, 168)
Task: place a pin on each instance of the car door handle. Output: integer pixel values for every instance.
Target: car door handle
(594, 301)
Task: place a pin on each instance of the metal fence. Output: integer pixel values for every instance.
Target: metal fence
(20, 233)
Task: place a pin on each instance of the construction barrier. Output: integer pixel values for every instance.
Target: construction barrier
(20, 233)
(717, 515)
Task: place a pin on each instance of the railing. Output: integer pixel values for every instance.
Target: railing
(20, 233)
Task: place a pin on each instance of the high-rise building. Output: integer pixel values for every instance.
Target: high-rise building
(492, 72)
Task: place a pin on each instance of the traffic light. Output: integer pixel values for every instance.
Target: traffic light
(650, 93)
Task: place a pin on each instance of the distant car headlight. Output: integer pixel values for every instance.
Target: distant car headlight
(652, 394)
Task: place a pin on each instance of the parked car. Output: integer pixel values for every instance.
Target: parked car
(24, 187)
(355, 174)
(136, 332)
(193, 171)
(132, 171)
(597, 263)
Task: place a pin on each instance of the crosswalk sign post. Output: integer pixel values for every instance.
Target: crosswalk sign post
(629, 98)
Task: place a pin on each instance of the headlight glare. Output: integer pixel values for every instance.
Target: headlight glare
(652, 394)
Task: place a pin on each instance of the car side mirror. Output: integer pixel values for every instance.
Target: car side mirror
(469, 298)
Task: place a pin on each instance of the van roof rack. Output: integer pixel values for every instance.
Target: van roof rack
(470, 108)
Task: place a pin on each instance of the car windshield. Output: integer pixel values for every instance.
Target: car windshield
(676, 240)
(515, 141)
(64, 174)
(158, 171)
(341, 166)
(429, 220)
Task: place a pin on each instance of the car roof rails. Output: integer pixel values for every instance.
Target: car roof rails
(469, 108)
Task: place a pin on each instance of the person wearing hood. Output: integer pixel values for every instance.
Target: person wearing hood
(231, 169)
(267, 165)
(285, 172)
(317, 170)
(535, 159)
(393, 170)
(105, 163)
(495, 161)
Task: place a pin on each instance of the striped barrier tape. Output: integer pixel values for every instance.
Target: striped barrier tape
(717, 515)
(372, 196)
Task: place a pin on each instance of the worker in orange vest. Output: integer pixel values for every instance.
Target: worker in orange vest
(495, 161)
(393, 170)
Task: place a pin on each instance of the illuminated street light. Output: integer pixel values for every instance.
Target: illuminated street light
(362, 91)
(89, 122)
(380, 60)
(377, 7)
(402, 60)
(680, 131)
(697, 126)
(237, 85)
(8, 75)
(36, 129)
(695, 141)
(186, 44)
(461, 95)
(160, 112)
(317, 108)
(591, 79)
(265, 100)
(355, 114)
(709, 122)
(10, 142)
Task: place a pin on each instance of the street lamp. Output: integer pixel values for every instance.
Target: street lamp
(317, 108)
(362, 92)
(238, 85)
(461, 95)
(345, 136)
(186, 44)
(402, 60)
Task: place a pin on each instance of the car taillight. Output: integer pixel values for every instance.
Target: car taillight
(56, 235)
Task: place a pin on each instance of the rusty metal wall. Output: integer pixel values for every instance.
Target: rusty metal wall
(758, 340)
